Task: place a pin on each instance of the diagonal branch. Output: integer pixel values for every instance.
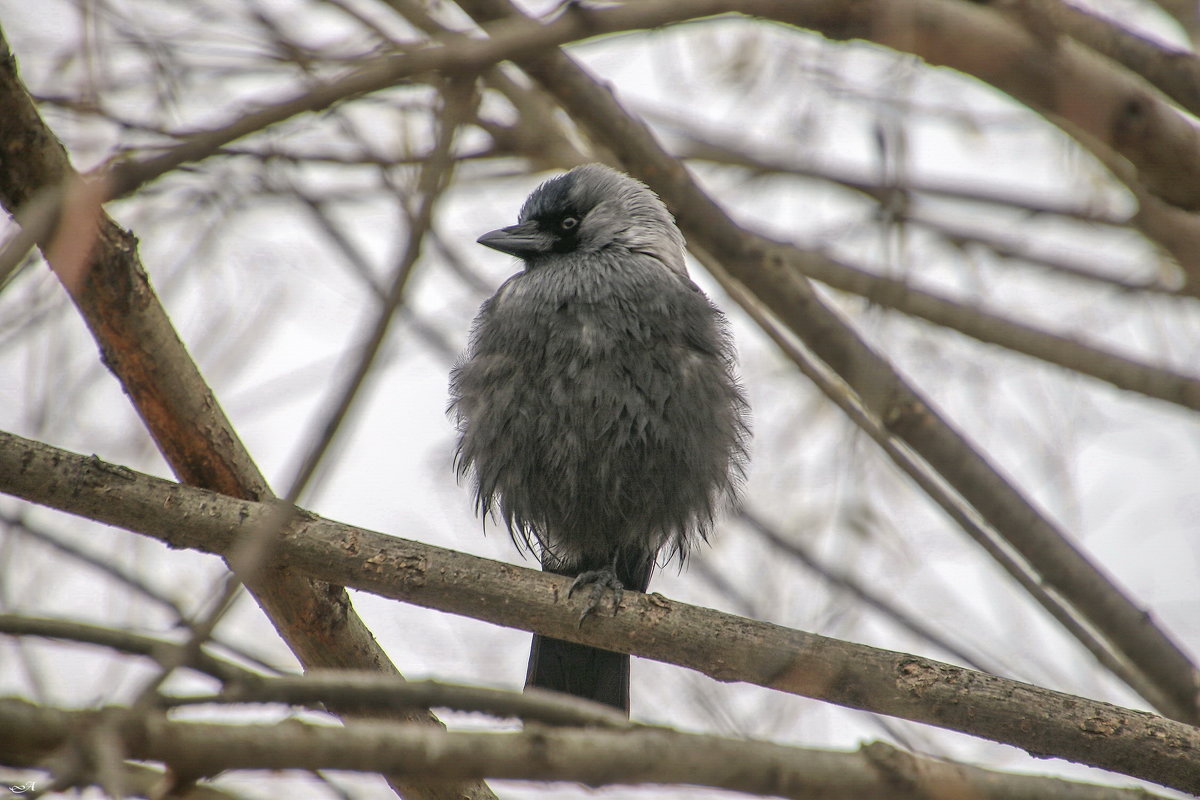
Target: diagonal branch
(142, 349)
(765, 268)
(1175, 72)
(724, 646)
(939, 492)
(1064, 81)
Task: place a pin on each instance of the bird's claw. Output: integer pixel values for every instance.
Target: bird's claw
(599, 580)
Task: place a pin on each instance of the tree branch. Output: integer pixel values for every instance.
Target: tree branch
(140, 346)
(121, 641)
(726, 647)
(593, 756)
(342, 687)
(1175, 72)
(897, 199)
(1067, 352)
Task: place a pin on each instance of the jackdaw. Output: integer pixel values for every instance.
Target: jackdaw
(597, 403)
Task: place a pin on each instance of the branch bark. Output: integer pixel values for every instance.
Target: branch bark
(1175, 72)
(723, 646)
(596, 757)
(141, 348)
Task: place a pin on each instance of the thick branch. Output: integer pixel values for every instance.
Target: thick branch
(140, 346)
(724, 646)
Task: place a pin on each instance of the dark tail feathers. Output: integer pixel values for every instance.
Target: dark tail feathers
(589, 672)
(577, 669)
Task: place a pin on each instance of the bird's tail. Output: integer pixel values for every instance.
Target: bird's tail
(588, 672)
(578, 669)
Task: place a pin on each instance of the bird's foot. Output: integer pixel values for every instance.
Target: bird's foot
(599, 580)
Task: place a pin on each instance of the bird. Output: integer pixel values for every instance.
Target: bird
(598, 405)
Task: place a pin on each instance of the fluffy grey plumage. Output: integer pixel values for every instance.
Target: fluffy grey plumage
(597, 403)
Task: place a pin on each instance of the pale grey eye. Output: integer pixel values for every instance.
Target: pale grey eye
(569, 223)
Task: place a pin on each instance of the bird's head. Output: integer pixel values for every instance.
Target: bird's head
(587, 210)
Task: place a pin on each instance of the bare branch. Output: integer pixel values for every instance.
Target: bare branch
(707, 147)
(141, 347)
(121, 641)
(723, 646)
(900, 198)
(1070, 353)
(596, 757)
(345, 688)
(1175, 72)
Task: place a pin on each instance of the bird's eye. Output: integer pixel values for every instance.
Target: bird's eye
(569, 223)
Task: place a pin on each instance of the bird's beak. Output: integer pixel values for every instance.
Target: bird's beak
(521, 240)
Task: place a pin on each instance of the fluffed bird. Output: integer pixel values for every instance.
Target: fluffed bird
(598, 407)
